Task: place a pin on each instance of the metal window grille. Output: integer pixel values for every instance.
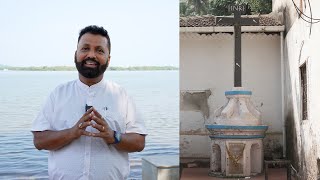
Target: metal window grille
(304, 90)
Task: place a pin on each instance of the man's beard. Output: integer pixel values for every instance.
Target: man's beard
(89, 72)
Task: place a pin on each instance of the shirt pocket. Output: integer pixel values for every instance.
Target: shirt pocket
(114, 120)
(66, 121)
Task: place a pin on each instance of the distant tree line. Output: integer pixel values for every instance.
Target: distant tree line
(219, 7)
(41, 68)
(71, 68)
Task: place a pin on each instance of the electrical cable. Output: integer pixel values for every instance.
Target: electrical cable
(300, 12)
(308, 20)
(310, 16)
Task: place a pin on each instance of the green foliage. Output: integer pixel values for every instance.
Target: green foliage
(219, 7)
(261, 6)
(193, 7)
(199, 7)
(185, 10)
(42, 68)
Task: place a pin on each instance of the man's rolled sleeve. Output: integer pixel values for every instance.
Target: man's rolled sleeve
(42, 121)
(134, 121)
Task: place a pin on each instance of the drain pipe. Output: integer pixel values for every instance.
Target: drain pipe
(282, 95)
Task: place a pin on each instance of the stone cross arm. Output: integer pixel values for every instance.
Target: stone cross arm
(237, 21)
(243, 21)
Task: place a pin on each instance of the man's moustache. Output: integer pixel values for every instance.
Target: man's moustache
(90, 59)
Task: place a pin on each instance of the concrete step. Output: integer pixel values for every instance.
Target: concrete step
(160, 167)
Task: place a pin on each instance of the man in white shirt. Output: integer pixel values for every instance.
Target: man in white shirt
(89, 125)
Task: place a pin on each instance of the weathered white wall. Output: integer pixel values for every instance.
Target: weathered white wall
(286, 7)
(303, 135)
(206, 63)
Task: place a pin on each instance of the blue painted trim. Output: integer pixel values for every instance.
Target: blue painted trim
(238, 93)
(216, 126)
(237, 136)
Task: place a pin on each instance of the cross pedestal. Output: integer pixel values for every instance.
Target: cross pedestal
(237, 132)
(236, 157)
(236, 137)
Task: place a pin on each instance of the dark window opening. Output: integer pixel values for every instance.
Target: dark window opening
(318, 165)
(304, 91)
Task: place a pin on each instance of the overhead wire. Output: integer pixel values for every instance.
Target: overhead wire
(310, 19)
(301, 13)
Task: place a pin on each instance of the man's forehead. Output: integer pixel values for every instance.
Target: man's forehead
(93, 39)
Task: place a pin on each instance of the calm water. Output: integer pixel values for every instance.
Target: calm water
(22, 94)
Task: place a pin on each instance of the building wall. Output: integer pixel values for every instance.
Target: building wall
(287, 9)
(303, 138)
(206, 72)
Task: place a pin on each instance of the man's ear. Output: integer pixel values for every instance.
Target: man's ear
(75, 56)
(108, 60)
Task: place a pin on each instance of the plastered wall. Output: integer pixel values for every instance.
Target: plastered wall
(301, 47)
(206, 72)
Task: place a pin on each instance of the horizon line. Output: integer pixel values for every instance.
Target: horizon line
(3, 65)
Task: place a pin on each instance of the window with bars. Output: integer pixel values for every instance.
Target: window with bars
(304, 91)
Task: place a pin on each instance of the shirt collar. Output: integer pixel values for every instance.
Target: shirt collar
(92, 87)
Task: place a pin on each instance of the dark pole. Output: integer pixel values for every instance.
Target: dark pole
(237, 22)
(237, 49)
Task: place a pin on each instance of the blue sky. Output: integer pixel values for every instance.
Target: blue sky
(44, 33)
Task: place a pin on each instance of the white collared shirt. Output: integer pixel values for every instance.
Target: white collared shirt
(88, 157)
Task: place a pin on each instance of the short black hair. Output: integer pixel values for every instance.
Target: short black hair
(93, 29)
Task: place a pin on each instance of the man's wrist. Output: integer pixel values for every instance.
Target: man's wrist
(71, 134)
(117, 137)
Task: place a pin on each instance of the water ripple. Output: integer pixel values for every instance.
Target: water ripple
(158, 103)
